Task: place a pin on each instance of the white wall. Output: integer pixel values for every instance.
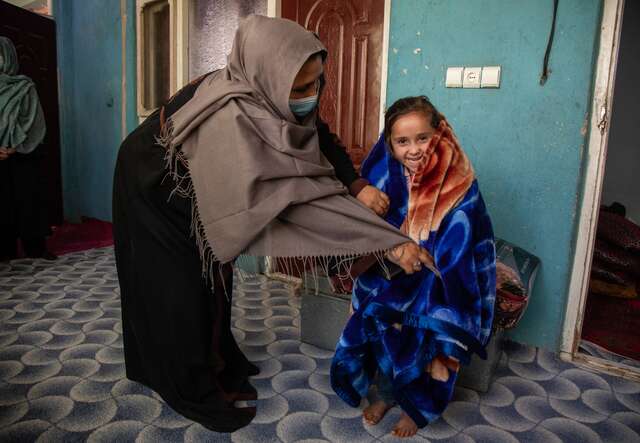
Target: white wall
(622, 174)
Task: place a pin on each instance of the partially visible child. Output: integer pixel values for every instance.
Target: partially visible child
(408, 335)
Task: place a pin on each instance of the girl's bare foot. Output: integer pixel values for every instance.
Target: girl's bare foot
(373, 413)
(405, 427)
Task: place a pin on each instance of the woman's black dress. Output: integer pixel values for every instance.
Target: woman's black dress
(177, 336)
(23, 205)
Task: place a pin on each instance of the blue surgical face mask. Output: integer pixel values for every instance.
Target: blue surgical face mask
(303, 106)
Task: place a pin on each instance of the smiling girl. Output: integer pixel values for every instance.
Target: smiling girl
(409, 335)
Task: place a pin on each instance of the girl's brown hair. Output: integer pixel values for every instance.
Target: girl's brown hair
(408, 105)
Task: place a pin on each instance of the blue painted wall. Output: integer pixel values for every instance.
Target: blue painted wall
(526, 141)
(90, 63)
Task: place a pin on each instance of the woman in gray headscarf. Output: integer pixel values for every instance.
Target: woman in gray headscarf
(247, 175)
(22, 129)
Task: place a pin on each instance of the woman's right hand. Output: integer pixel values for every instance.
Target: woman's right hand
(411, 257)
(5, 153)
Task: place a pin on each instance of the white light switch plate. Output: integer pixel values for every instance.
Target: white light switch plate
(454, 77)
(471, 77)
(490, 77)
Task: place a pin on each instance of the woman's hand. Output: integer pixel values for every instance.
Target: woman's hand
(374, 199)
(5, 153)
(411, 257)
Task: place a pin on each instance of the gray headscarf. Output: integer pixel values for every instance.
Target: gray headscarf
(259, 182)
(22, 124)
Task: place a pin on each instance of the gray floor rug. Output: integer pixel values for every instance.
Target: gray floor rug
(62, 375)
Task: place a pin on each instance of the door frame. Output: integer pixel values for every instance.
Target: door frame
(178, 44)
(601, 108)
(274, 9)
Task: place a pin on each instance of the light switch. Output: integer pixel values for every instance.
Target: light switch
(454, 77)
(471, 77)
(490, 77)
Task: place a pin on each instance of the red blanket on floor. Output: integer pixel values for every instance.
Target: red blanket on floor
(73, 237)
(614, 324)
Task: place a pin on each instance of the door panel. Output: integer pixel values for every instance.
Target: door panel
(352, 32)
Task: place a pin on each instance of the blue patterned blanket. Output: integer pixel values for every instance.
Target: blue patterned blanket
(400, 325)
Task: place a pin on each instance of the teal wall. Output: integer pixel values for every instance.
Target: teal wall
(526, 141)
(90, 64)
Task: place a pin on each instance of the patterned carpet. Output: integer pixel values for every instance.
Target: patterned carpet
(62, 375)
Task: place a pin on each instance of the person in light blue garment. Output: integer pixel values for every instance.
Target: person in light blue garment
(409, 334)
(22, 130)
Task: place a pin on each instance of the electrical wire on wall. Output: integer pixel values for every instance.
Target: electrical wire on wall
(545, 64)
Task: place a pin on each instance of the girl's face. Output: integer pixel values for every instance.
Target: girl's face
(410, 135)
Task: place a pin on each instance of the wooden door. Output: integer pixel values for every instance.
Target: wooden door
(352, 32)
(34, 37)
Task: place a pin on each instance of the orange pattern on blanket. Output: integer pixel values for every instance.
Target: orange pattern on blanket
(439, 185)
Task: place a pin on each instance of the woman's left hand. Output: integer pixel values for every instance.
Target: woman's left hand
(374, 199)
